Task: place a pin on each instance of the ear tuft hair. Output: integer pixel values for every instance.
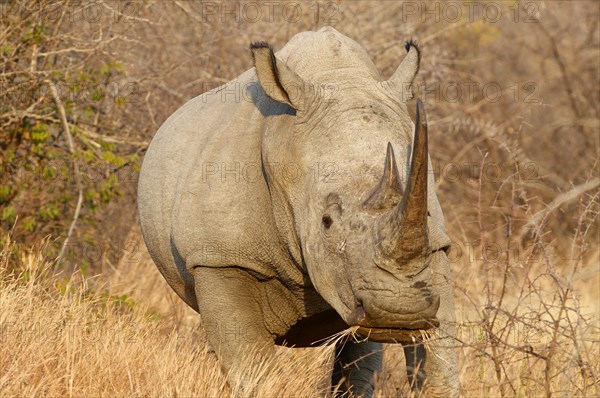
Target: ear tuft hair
(411, 43)
(259, 44)
(256, 45)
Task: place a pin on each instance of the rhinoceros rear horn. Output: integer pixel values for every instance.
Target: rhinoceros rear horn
(277, 80)
(403, 232)
(389, 189)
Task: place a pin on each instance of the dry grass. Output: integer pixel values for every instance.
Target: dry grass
(60, 338)
(68, 336)
(119, 334)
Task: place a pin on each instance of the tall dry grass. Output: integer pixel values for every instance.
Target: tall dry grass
(69, 336)
(60, 337)
(526, 329)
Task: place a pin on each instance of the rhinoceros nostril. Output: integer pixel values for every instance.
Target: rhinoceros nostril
(358, 315)
(429, 299)
(360, 312)
(419, 284)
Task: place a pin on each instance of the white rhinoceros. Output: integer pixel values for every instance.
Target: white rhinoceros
(274, 206)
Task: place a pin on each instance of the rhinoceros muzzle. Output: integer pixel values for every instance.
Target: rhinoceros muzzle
(398, 332)
(382, 322)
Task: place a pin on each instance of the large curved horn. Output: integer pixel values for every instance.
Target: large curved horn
(388, 191)
(403, 234)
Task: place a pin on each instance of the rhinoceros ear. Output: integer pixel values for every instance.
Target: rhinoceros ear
(276, 79)
(401, 81)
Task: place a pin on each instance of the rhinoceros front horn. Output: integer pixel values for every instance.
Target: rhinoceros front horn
(403, 232)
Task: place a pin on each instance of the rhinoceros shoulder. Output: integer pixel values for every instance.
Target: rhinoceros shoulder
(221, 211)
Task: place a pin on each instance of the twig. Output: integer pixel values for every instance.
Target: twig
(105, 138)
(71, 144)
(564, 197)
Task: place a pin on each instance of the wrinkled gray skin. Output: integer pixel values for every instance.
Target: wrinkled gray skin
(275, 207)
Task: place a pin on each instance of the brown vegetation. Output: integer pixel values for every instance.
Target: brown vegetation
(513, 108)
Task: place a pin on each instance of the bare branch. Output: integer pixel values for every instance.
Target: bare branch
(71, 144)
(536, 219)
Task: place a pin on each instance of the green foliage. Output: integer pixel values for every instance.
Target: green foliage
(40, 171)
(109, 68)
(49, 212)
(29, 223)
(35, 35)
(39, 134)
(5, 193)
(5, 49)
(9, 214)
(108, 188)
(122, 300)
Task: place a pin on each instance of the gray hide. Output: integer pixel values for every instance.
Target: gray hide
(286, 206)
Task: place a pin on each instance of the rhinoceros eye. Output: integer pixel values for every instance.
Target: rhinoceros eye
(326, 221)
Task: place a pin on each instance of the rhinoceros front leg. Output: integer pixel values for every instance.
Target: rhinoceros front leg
(355, 366)
(433, 366)
(229, 306)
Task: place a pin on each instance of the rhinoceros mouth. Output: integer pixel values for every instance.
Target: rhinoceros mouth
(420, 329)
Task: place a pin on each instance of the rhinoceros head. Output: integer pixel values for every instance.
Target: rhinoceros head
(369, 233)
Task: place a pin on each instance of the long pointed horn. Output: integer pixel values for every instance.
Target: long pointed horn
(388, 191)
(403, 234)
